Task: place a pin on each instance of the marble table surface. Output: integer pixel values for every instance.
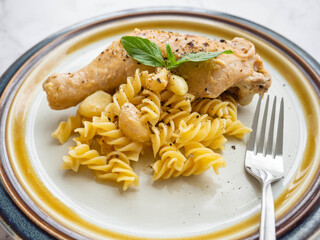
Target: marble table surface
(25, 23)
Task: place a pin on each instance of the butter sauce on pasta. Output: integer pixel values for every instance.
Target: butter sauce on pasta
(183, 131)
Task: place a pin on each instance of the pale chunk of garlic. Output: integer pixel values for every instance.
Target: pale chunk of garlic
(177, 85)
(131, 125)
(158, 81)
(94, 104)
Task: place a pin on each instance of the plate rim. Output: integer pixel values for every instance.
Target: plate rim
(309, 65)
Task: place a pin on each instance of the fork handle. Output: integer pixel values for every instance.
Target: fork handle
(267, 227)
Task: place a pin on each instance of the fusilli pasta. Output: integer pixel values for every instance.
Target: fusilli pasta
(65, 129)
(118, 169)
(172, 160)
(162, 134)
(173, 101)
(150, 107)
(82, 155)
(129, 90)
(232, 106)
(213, 107)
(183, 132)
(236, 129)
(201, 160)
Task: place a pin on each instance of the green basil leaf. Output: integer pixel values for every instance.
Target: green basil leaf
(143, 50)
(148, 53)
(199, 57)
(171, 60)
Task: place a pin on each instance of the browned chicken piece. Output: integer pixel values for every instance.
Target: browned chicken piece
(241, 73)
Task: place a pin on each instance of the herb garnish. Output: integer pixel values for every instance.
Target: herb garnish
(148, 53)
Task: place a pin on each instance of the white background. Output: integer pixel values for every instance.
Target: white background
(25, 23)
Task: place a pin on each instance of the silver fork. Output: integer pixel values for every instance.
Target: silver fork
(264, 161)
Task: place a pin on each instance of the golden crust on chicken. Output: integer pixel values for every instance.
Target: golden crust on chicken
(241, 73)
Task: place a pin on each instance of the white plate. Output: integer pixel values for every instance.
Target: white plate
(227, 205)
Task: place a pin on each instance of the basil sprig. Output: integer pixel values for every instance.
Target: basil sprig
(148, 53)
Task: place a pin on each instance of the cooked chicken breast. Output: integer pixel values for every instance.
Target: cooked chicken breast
(241, 73)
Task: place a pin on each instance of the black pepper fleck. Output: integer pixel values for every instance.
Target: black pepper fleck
(233, 147)
(190, 44)
(158, 80)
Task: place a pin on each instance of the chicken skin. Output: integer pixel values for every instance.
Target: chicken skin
(241, 73)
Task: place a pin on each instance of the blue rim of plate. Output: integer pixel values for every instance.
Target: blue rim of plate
(18, 224)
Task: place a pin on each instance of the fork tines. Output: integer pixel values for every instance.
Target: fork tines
(259, 142)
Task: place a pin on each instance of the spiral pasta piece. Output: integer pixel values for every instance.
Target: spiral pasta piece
(171, 160)
(129, 90)
(118, 170)
(103, 147)
(64, 130)
(195, 118)
(70, 163)
(236, 129)
(202, 129)
(216, 139)
(213, 107)
(194, 132)
(108, 115)
(150, 107)
(82, 155)
(113, 136)
(91, 128)
(162, 134)
(169, 99)
(174, 115)
(87, 132)
(201, 160)
(232, 106)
